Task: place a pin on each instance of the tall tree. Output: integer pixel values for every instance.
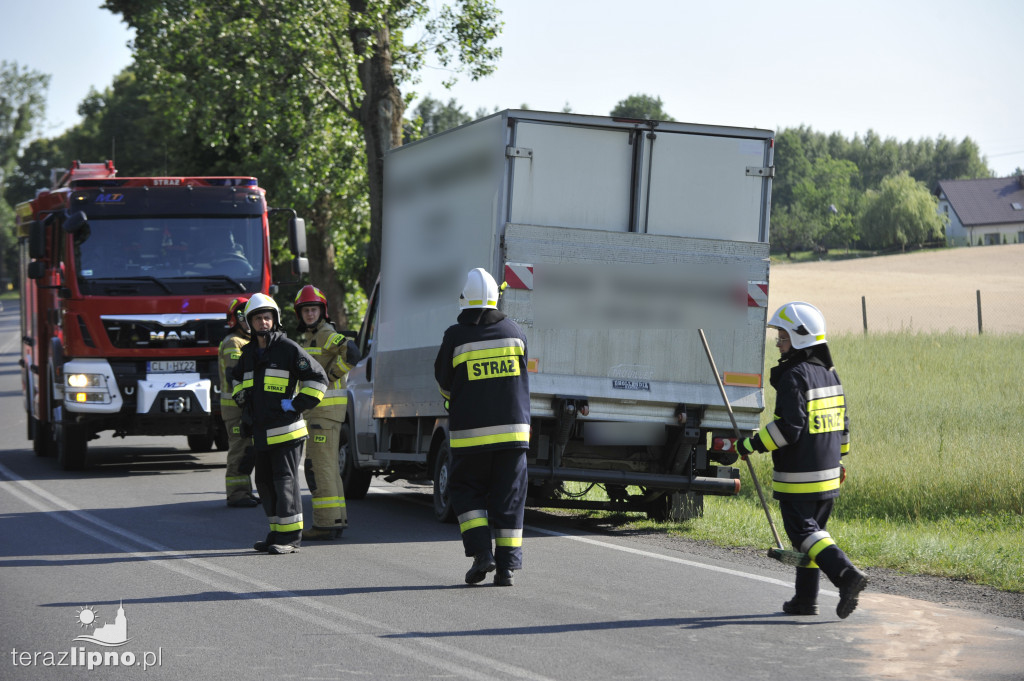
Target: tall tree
(647, 107)
(902, 212)
(308, 90)
(22, 106)
(433, 116)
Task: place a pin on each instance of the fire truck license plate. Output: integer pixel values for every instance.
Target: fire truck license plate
(174, 366)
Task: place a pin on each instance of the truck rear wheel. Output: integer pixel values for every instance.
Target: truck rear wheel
(200, 442)
(442, 476)
(72, 443)
(356, 482)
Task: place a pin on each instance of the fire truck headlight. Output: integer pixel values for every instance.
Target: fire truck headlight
(86, 380)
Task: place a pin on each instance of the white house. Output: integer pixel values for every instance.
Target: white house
(983, 212)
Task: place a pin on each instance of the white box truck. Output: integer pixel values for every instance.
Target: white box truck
(617, 240)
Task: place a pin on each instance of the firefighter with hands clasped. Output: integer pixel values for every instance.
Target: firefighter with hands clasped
(336, 355)
(274, 381)
(481, 372)
(237, 482)
(807, 438)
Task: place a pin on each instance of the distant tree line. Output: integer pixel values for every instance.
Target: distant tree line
(292, 114)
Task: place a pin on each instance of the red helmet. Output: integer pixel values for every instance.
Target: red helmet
(236, 311)
(310, 295)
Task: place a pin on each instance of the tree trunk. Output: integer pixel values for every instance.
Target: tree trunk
(320, 250)
(380, 114)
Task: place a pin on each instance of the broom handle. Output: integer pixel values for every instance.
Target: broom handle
(736, 429)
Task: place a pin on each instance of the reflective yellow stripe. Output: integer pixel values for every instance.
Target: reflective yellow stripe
(511, 538)
(771, 437)
(820, 546)
(805, 487)
(328, 502)
(471, 519)
(489, 353)
(286, 433)
(519, 432)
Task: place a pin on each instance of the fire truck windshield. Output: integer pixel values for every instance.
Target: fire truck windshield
(164, 255)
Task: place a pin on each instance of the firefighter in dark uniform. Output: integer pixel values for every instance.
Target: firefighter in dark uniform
(336, 354)
(237, 479)
(481, 372)
(274, 381)
(807, 438)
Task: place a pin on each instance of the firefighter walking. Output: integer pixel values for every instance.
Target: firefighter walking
(274, 381)
(336, 355)
(237, 480)
(807, 439)
(481, 372)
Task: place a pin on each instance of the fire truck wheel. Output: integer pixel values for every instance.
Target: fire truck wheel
(442, 474)
(201, 442)
(71, 446)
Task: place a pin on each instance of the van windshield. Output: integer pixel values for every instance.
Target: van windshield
(170, 255)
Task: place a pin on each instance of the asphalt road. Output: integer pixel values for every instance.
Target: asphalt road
(145, 529)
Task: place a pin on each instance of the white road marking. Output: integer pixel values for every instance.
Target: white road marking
(313, 611)
(628, 549)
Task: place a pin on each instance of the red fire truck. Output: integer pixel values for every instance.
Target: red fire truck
(125, 285)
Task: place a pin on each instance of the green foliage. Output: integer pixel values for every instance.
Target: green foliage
(933, 480)
(641, 106)
(815, 171)
(22, 105)
(902, 212)
(432, 116)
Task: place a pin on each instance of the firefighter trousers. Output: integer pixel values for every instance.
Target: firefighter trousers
(488, 493)
(804, 522)
(277, 481)
(237, 482)
(323, 474)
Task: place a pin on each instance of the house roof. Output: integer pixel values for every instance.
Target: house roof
(985, 202)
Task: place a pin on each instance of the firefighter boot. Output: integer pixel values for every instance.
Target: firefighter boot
(805, 601)
(503, 577)
(322, 533)
(851, 582)
(483, 563)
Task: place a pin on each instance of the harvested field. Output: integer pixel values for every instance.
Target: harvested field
(922, 291)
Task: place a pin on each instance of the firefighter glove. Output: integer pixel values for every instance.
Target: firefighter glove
(842, 474)
(286, 405)
(743, 447)
(241, 397)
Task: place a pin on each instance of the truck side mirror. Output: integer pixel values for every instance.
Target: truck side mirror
(37, 240)
(36, 269)
(75, 222)
(300, 267)
(297, 236)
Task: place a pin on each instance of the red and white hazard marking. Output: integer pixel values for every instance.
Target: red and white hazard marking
(518, 275)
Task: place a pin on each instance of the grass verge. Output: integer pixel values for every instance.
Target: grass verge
(936, 480)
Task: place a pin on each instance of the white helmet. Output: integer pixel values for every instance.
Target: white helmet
(480, 291)
(259, 302)
(802, 321)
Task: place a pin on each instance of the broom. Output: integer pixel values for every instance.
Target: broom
(777, 552)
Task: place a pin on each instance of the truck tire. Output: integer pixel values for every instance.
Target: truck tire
(442, 475)
(200, 442)
(72, 444)
(356, 482)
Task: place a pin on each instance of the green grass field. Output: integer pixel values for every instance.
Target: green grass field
(936, 472)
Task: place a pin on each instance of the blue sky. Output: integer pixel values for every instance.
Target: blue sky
(909, 69)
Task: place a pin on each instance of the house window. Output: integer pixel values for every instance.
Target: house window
(1020, 237)
(992, 239)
